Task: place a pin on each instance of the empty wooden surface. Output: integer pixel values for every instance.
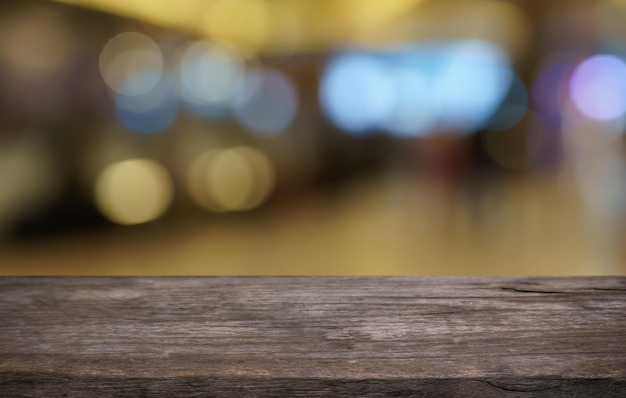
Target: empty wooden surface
(313, 336)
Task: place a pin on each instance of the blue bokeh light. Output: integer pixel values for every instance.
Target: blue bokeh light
(473, 81)
(412, 114)
(356, 93)
(417, 91)
(513, 107)
(266, 103)
(149, 112)
(208, 75)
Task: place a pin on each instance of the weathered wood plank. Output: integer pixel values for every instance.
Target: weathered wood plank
(313, 336)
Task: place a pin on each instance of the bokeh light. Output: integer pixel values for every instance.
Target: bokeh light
(149, 112)
(263, 173)
(356, 93)
(472, 82)
(598, 87)
(208, 76)
(230, 180)
(550, 90)
(368, 132)
(234, 179)
(198, 181)
(513, 107)
(455, 87)
(133, 191)
(412, 113)
(131, 54)
(267, 102)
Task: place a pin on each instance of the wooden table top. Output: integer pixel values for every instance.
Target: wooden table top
(313, 336)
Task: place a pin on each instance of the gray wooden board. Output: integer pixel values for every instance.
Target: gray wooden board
(313, 336)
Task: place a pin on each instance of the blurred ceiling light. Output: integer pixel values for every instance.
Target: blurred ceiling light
(131, 53)
(163, 12)
(170, 14)
(370, 14)
(267, 102)
(133, 191)
(286, 33)
(208, 75)
(245, 23)
(598, 87)
(234, 179)
(149, 112)
(284, 26)
(357, 22)
(502, 23)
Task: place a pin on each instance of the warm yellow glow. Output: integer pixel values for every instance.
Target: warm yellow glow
(286, 29)
(504, 24)
(133, 191)
(277, 26)
(235, 179)
(166, 13)
(361, 22)
(197, 184)
(246, 23)
(230, 180)
(286, 26)
(179, 15)
(263, 172)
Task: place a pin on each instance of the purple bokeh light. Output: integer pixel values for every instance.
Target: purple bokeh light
(549, 91)
(598, 87)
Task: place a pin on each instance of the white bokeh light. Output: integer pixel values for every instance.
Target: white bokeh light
(127, 54)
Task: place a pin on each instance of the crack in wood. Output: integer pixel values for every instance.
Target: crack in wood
(518, 290)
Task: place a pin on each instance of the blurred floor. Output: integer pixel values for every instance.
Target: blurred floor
(381, 226)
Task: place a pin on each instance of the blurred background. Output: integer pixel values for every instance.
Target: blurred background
(312, 137)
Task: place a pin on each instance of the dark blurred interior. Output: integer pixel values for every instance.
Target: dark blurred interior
(312, 137)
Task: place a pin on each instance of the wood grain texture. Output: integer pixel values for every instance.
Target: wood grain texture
(313, 336)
